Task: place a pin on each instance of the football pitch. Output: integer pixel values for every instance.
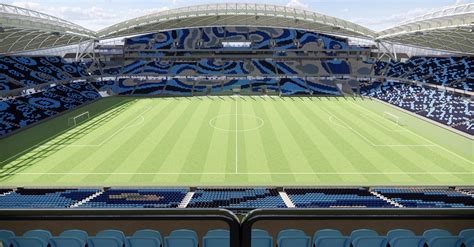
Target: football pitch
(241, 141)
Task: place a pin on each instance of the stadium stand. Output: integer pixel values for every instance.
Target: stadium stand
(43, 198)
(29, 109)
(31, 71)
(236, 198)
(427, 197)
(137, 198)
(446, 71)
(335, 197)
(239, 199)
(260, 238)
(440, 106)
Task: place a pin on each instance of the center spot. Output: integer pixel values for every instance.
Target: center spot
(245, 122)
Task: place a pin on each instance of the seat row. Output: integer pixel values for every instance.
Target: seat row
(221, 238)
(114, 238)
(370, 238)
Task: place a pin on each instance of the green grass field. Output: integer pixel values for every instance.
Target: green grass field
(236, 141)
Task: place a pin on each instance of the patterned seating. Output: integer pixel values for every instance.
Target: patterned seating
(236, 198)
(334, 197)
(427, 197)
(29, 109)
(440, 106)
(138, 198)
(44, 198)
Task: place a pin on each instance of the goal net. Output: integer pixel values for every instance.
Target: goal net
(392, 117)
(73, 121)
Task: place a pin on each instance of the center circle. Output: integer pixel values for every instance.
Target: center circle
(221, 122)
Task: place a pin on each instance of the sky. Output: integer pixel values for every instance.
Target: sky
(98, 14)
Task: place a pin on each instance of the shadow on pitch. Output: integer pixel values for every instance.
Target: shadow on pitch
(47, 149)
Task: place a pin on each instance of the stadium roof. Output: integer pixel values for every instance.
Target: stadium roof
(449, 29)
(233, 14)
(25, 30)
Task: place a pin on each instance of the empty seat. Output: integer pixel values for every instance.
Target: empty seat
(104, 242)
(407, 242)
(41, 234)
(216, 238)
(113, 234)
(76, 234)
(372, 241)
(363, 233)
(147, 234)
(67, 242)
(329, 238)
(433, 233)
(28, 242)
(399, 233)
(293, 238)
(467, 234)
(452, 241)
(181, 238)
(143, 242)
(261, 238)
(5, 237)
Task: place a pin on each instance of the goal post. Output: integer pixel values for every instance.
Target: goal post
(73, 121)
(392, 117)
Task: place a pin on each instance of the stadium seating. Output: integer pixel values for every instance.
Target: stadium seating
(334, 197)
(137, 198)
(262, 38)
(28, 109)
(440, 106)
(44, 198)
(31, 71)
(447, 71)
(236, 198)
(427, 198)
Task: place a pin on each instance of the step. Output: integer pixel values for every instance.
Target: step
(86, 200)
(396, 204)
(287, 200)
(184, 203)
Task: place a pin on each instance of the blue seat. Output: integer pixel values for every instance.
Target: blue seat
(399, 233)
(466, 234)
(146, 233)
(5, 237)
(407, 242)
(143, 242)
(363, 233)
(67, 242)
(261, 238)
(28, 242)
(115, 234)
(75, 234)
(468, 242)
(216, 238)
(433, 233)
(293, 238)
(182, 238)
(332, 241)
(104, 242)
(372, 241)
(41, 234)
(329, 237)
(452, 241)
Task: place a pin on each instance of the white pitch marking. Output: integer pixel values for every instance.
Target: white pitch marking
(236, 140)
(111, 136)
(369, 141)
(241, 173)
(424, 138)
(51, 138)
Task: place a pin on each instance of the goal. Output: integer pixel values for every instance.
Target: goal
(73, 121)
(392, 117)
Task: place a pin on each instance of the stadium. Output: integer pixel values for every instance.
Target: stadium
(237, 124)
